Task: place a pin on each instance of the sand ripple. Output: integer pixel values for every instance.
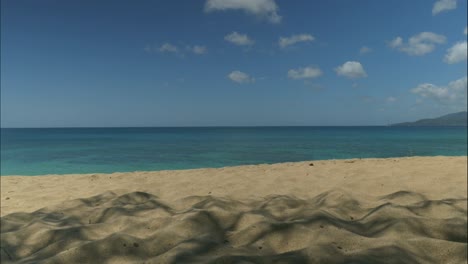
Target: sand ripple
(333, 227)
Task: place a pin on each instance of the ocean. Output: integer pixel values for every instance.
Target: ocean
(38, 151)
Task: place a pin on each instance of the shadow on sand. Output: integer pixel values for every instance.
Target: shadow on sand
(333, 227)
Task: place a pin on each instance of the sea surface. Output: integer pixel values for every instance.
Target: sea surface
(37, 151)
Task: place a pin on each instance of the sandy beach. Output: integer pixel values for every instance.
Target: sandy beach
(395, 210)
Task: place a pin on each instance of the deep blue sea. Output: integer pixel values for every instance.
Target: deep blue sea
(89, 150)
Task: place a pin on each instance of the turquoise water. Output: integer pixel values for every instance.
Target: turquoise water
(89, 150)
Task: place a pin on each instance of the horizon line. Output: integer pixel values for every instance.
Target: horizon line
(226, 126)
(276, 126)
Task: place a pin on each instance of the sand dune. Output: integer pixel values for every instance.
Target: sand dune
(341, 224)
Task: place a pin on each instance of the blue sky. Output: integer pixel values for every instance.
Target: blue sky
(230, 62)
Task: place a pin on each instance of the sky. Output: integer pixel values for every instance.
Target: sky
(113, 63)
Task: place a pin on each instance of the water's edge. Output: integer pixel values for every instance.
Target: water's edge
(108, 150)
(306, 162)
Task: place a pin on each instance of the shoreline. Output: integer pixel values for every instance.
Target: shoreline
(409, 209)
(225, 167)
(208, 179)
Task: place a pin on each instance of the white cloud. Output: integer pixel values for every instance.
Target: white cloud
(443, 5)
(170, 48)
(364, 50)
(419, 44)
(240, 77)
(167, 47)
(266, 9)
(304, 73)
(456, 53)
(287, 41)
(197, 49)
(453, 93)
(391, 99)
(351, 69)
(395, 43)
(239, 39)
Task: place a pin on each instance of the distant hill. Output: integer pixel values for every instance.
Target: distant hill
(455, 119)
